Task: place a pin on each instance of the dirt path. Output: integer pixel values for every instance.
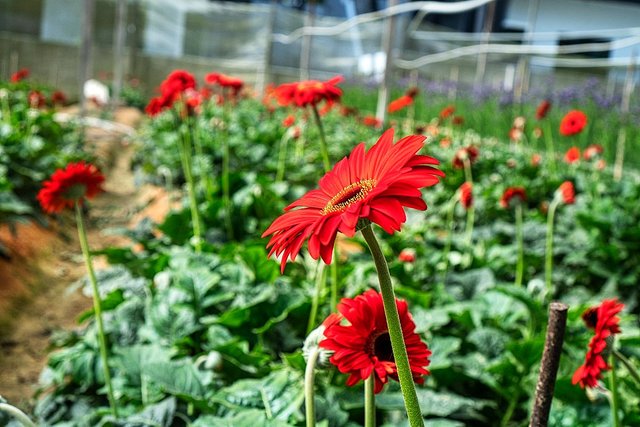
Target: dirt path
(35, 300)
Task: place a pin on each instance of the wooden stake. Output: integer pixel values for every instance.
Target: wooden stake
(549, 364)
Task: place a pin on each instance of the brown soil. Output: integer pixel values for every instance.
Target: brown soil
(35, 295)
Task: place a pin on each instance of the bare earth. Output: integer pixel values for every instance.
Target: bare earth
(35, 296)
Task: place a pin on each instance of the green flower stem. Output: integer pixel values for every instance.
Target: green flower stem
(309, 395)
(226, 196)
(185, 152)
(82, 234)
(369, 402)
(468, 176)
(395, 330)
(551, 151)
(470, 220)
(613, 385)
(520, 243)
(447, 246)
(323, 141)
(17, 414)
(319, 285)
(282, 157)
(197, 144)
(548, 260)
(334, 278)
(627, 364)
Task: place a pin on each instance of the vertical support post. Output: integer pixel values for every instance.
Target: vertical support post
(119, 39)
(629, 83)
(387, 48)
(264, 74)
(522, 72)
(86, 63)
(549, 364)
(305, 48)
(454, 78)
(487, 28)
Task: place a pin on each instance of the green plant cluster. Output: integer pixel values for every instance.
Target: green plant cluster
(214, 338)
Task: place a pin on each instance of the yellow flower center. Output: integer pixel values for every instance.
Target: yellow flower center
(349, 195)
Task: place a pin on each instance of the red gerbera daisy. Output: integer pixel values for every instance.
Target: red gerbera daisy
(407, 255)
(467, 153)
(36, 99)
(592, 151)
(309, 92)
(19, 75)
(178, 81)
(76, 182)
(466, 195)
(573, 122)
(225, 81)
(372, 121)
(375, 184)
(567, 193)
(604, 320)
(58, 98)
(447, 112)
(289, 121)
(543, 109)
(513, 194)
(399, 104)
(363, 348)
(572, 155)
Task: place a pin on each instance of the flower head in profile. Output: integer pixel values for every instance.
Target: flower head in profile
(566, 193)
(407, 255)
(543, 109)
(604, 321)
(71, 185)
(58, 98)
(573, 123)
(19, 75)
(309, 92)
(234, 84)
(466, 195)
(513, 195)
(372, 121)
(592, 152)
(447, 112)
(469, 153)
(362, 346)
(36, 99)
(399, 103)
(572, 155)
(375, 185)
(536, 159)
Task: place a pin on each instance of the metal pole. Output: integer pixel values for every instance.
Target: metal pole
(387, 48)
(522, 80)
(86, 64)
(481, 64)
(629, 83)
(305, 48)
(119, 39)
(264, 74)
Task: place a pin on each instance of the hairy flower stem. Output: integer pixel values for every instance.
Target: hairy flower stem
(613, 385)
(369, 402)
(309, 394)
(468, 176)
(185, 153)
(102, 342)
(447, 246)
(470, 220)
(323, 141)
(334, 278)
(627, 363)
(226, 197)
(282, 157)
(551, 151)
(548, 260)
(17, 414)
(395, 330)
(319, 285)
(520, 243)
(197, 145)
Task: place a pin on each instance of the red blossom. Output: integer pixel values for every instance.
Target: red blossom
(362, 347)
(407, 255)
(513, 195)
(543, 109)
(309, 92)
(376, 185)
(572, 155)
(592, 151)
(567, 193)
(58, 97)
(573, 123)
(71, 185)
(447, 112)
(605, 322)
(467, 153)
(372, 121)
(36, 99)
(289, 120)
(19, 75)
(399, 104)
(536, 159)
(457, 121)
(466, 194)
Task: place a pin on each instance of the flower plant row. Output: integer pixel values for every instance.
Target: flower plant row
(459, 318)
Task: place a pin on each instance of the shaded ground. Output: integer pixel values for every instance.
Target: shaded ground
(35, 295)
